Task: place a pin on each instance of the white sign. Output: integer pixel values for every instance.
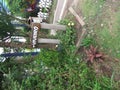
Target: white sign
(34, 36)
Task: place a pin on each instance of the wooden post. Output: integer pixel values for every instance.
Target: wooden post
(53, 26)
(77, 16)
(26, 45)
(45, 40)
(82, 23)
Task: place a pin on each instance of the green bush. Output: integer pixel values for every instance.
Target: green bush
(57, 70)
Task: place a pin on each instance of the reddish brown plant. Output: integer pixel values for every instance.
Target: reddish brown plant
(93, 54)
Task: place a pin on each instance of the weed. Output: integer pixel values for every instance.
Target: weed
(94, 54)
(68, 37)
(86, 42)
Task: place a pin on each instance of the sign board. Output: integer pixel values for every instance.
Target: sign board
(35, 30)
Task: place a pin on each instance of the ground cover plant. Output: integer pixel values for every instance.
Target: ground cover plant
(102, 19)
(56, 69)
(61, 68)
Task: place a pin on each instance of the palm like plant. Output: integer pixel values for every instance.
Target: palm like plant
(93, 54)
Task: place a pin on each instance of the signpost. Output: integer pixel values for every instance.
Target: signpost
(35, 42)
(35, 26)
(35, 31)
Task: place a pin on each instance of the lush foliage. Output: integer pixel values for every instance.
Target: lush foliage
(54, 70)
(6, 27)
(21, 7)
(87, 41)
(60, 69)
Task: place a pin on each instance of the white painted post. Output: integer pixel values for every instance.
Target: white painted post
(53, 26)
(49, 41)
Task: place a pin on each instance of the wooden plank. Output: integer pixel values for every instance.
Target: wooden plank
(84, 31)
(26, 45)
(37, 19)
(77, 16)
(53, 26)
(49, 41)
(81, 37)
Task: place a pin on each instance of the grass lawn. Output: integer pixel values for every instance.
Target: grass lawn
(103, 18)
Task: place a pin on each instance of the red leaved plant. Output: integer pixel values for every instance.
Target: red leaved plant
(93, 54)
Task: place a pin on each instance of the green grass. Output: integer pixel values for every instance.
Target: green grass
(55, 70)
(107, 36)
(110, 44)
(104, 22)
(90, 8)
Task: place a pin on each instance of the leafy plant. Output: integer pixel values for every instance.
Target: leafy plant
(49, 57)
(68, 37)
(86, 42)
(93, 54)
(64, 22)
(6, 27)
